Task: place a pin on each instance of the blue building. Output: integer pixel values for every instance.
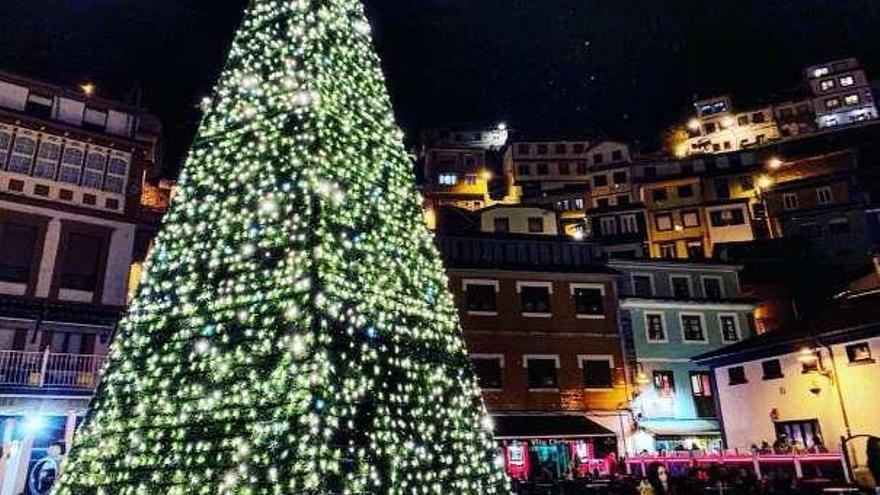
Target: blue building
(671, 311)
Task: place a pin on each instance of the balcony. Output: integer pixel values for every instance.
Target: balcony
(50, 371)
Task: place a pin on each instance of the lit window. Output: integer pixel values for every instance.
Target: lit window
(821, 71)
(701, 390)
(846, 81)
(826, 84)
(692, 328)
(850, 100)
(655, 328)
(690, 218)
(664, 383)
(47, 159)
(859, 353)
(789, 201)
(71, 164)
(447, 179)
(729, 328)
(832, 103)
(663, 221)
(823, 195)
(22, 154)
(667, 250)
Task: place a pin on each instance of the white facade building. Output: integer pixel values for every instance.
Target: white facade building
(841, 93)
(717, 128)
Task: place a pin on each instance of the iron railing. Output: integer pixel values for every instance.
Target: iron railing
(50, 370)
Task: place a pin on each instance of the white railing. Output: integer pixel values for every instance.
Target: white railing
(50, 370)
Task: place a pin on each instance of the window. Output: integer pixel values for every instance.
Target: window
(805, 431)
(659, 194)
(681, 287)
(536, 224)
(560, 148)
(729, 328)
(598, 158)
(789, 201)
(18, 242)
(772, 369)
(692, 328)
(501, 224)
(663, 221)
(542, 371)
(643, 285)
(736, 375)
(489, 371)
(726, 218)
(667, 250)
(690, 218)
(846, 81)
(602, 203)
(600, 180)
(623, 199)
(523, 149)
(619, 177)
(581, 168)
(524, 169)
(564, 168)
(79, 269)
(617, 156)
(695, 249)
(447, 179)
(578, 148)
(832, 103)
(22, 155)
(686, 191)
(596, 371)
(712, 288)
(701, 389)
(628, 224)
(664, 383)
(534, 299)
(589, 301)
(543, 168)
(481, 296)
(722, 188)
(727, 145)
(541, 149)
(47, 159)
(655, 327)
(71, 164)
(838, 226)
(821, 71)
(93, 174)
(852, 99)
(710, 127)
(859, 353)
(758, 118)
(823, 195)
(742, 120)
(608, 226)
(579, 204)
(826, 84)
(5, 140)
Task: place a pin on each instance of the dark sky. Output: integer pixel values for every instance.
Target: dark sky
(606, 68)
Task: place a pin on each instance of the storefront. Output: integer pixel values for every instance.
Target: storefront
(550, 448)
(679, 434)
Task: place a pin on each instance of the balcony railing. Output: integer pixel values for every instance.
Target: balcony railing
(50, 370)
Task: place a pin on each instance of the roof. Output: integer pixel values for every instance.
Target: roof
(673, 263)
(855, 316)
(528, 426)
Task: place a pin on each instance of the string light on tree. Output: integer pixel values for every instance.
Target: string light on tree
(293, 332)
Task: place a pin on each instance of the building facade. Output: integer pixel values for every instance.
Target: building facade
(670, 312)
(72, 176)
(717, 128)
(841, 93)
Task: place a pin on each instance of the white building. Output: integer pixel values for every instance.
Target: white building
(717, 128)
(72, 223)
(817, 382)
(841, 93)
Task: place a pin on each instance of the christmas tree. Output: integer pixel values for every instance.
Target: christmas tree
(293, 332)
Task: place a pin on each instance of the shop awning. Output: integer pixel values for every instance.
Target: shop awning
(682, 427)
(533, 426)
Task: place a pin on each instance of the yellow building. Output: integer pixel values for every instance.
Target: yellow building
(677, 226)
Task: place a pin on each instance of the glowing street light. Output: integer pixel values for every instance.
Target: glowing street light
(694, 125)
(774, 163)
(87, 88)
(764, 182)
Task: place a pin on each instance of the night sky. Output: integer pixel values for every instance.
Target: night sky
(622, 69)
